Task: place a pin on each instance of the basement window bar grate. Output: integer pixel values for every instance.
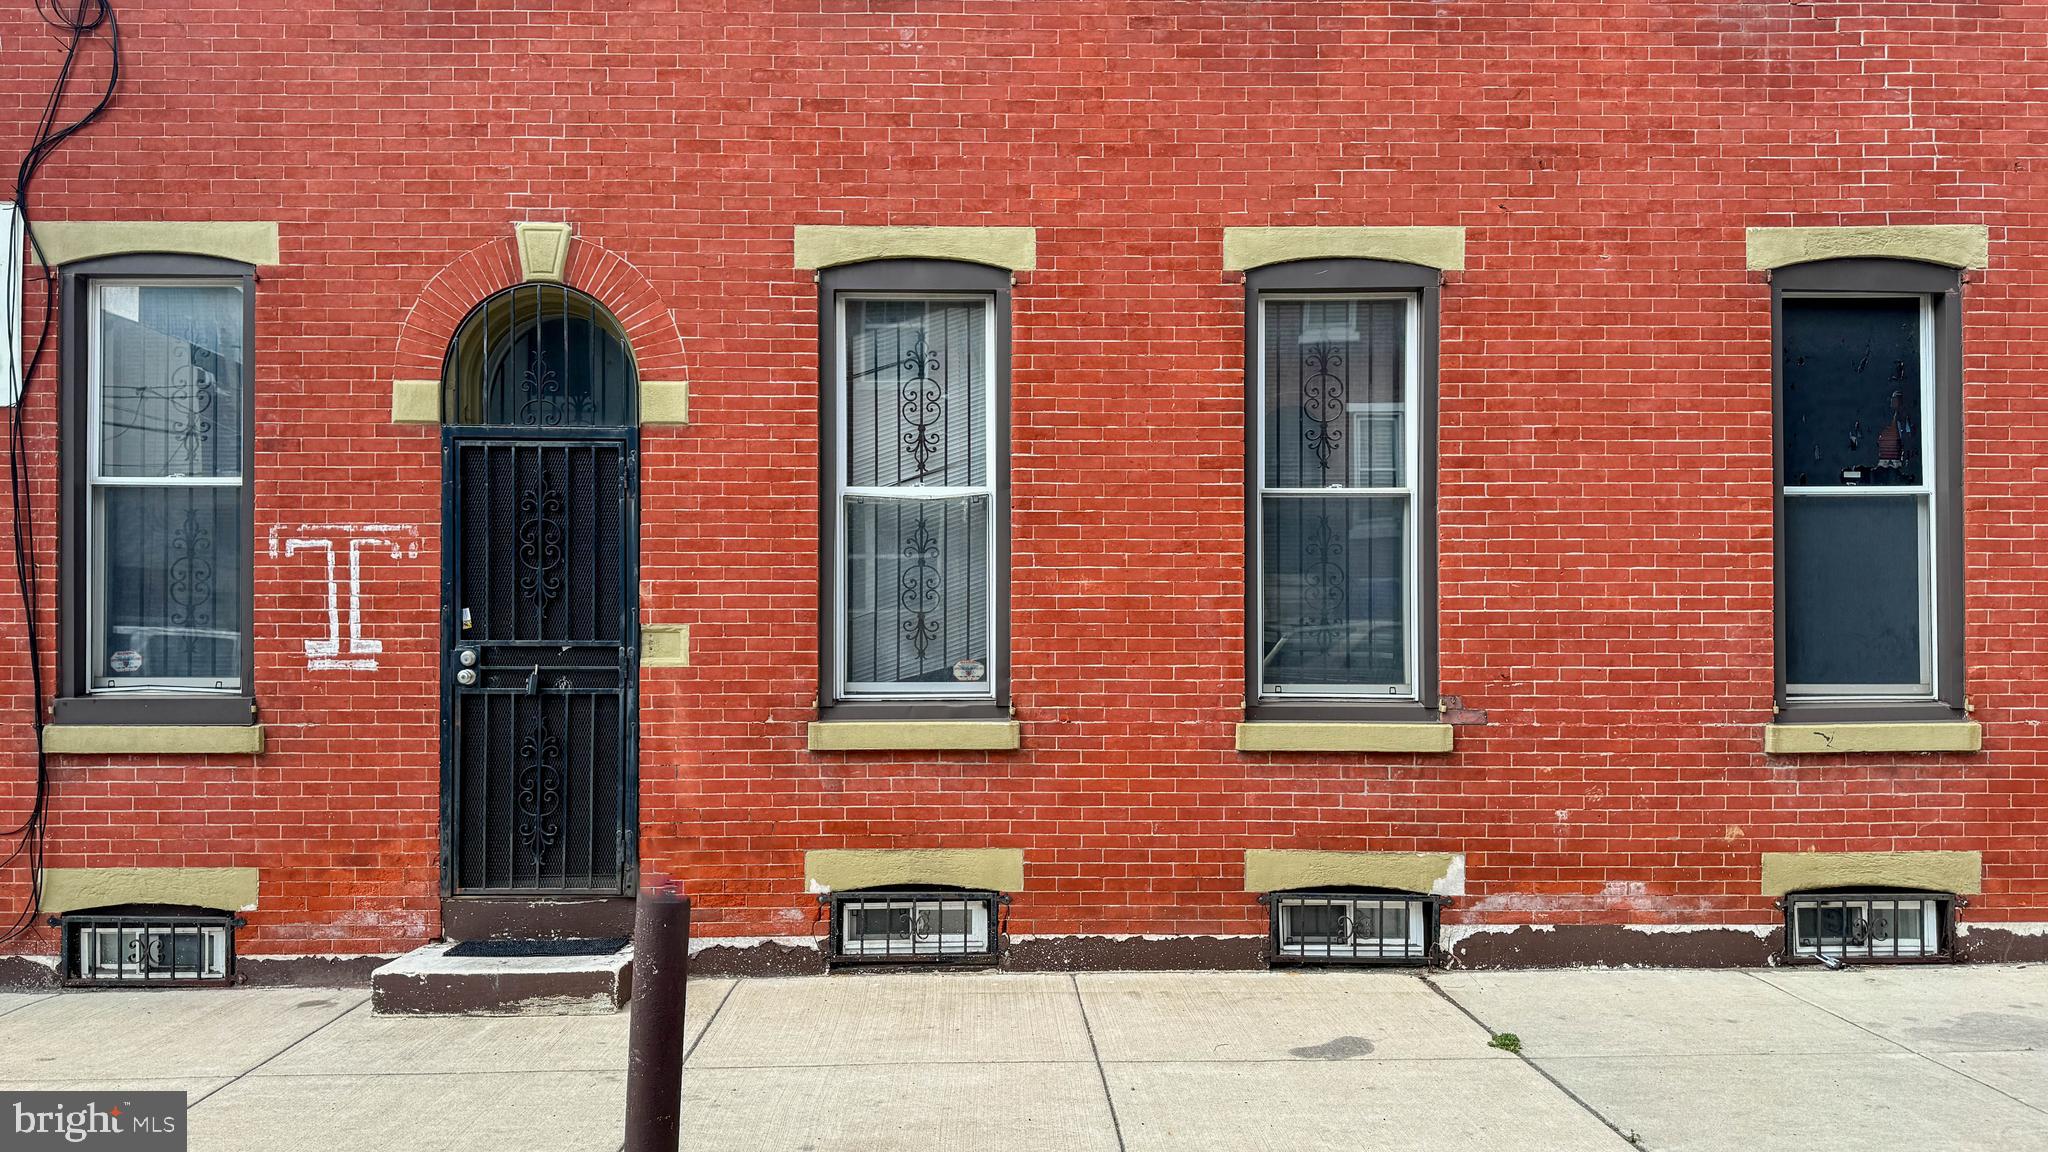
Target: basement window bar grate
(1875, 926)
(130, 949)
(921, 925)
(1348, 927)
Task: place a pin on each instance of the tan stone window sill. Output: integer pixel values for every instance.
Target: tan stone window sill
(914, 735)
(1934, 736)
(1342, 736)
(153, 739)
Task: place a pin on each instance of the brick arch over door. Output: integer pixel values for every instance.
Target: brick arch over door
(651, 331)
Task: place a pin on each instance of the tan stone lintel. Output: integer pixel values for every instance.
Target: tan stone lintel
(1933, 736)
(829, 245)
(1956, 245)
(664, 402)
(249, 241)
(1431, 247)
(915, 736)
(543, 250)
(844, 869)
(416, 401)
(142, 739)
(1278, 869)
(75, 889)
(1342, 736)
(664, 645)
(1932, 871)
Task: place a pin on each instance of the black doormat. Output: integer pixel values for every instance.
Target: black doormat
(567, 947)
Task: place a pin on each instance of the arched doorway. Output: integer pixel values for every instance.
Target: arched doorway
(540, 557)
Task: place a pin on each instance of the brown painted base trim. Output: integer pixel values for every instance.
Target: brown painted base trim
(498, 918)
(22, 974)
(308, 971)
(1615, 945)
(765, 959)
(1990, 944)
(1135, 954)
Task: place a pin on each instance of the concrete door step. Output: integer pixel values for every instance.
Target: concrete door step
(429, 982)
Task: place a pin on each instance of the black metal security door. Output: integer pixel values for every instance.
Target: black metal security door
(539, 599)
(539, 790)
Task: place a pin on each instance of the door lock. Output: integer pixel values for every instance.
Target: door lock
(467, 657)
(465, 676)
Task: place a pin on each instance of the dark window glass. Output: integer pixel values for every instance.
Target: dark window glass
(1858, 511)
(1856, 596)
(1852, 392)
(540, 356)
(1335, 590)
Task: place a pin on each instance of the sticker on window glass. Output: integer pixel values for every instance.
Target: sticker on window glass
(968, 671)
(127, 661)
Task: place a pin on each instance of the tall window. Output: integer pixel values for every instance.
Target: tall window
(916, 375)
(157, 543)
(1341, 384)
(1869, 557)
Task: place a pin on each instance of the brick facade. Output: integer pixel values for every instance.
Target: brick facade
(1605, 482)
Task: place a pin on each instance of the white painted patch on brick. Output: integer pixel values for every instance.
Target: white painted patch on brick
(326, 654)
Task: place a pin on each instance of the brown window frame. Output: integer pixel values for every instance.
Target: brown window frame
(73, 703)
(910, 277)
(1315, 277)
(1943, 286)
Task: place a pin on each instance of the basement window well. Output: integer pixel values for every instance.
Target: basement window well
(147, 946)
(915, 925)
(1869, 925)
(1352, 926)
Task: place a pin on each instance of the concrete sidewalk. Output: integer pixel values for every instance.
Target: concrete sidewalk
(1901, 1058)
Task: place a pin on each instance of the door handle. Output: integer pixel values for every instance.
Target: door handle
(465, 676)
(533, 681)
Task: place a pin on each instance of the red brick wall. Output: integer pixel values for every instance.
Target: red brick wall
(1605, 484)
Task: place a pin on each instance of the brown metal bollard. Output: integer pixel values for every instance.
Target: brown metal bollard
(654, 1043)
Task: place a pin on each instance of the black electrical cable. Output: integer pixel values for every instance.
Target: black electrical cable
(79, 21)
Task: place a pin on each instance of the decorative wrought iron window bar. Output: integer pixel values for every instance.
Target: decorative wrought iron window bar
(915, 926)
(1880, 926)
(1352, 926)
(152, 948)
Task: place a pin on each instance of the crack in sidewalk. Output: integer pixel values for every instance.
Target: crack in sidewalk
(1633, 1141)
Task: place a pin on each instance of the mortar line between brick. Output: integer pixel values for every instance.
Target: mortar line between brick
(281, 1051)
(706, 1031)
(1524, 1057)
(1894, 1043)
(1115, 1125)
